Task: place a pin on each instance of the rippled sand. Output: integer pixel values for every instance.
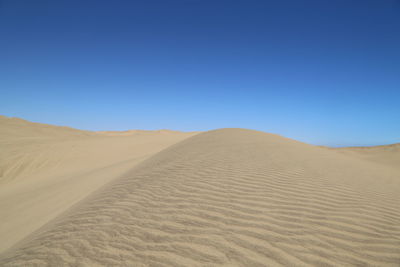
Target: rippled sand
(44, 169)
(230, 197)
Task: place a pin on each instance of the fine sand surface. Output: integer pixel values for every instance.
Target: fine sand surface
(44, 169)
(388, 154)
(228, 197)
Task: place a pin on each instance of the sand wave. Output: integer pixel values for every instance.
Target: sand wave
(230, 197)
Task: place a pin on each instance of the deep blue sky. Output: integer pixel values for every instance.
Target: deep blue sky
(324, 71)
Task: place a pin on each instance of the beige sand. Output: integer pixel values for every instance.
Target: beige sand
(44, 169)
(229, 197)
(388, 155)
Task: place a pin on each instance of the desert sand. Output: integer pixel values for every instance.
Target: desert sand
(388, 155)
(44, 169)
(227, 197)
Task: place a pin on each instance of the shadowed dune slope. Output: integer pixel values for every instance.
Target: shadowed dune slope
(230, 197)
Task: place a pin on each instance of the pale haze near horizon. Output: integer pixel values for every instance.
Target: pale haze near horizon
(322, 73)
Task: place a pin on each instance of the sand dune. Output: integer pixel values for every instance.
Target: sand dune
(230, 197)
(388, 154)
(44, 169)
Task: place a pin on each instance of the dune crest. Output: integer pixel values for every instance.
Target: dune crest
(230, 197)
(386, 154)
(44, 169)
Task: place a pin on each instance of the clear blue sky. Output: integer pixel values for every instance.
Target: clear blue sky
(323, 71)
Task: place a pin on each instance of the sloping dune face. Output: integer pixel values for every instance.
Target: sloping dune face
(230, 197)
(45, 169)
(388, 154)
(22, 144)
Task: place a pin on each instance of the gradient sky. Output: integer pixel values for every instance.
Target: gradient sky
(323, 72)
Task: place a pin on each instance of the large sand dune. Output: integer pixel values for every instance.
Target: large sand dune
(230, 197)
(44, 169)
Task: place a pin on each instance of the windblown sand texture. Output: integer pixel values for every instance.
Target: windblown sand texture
(230, 197)
(388, 154)
(44, 169)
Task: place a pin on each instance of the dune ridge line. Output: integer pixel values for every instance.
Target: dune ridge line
(231, 197)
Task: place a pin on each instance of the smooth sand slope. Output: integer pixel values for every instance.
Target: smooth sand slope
(388, 154)
(44, 169)
(230, 197)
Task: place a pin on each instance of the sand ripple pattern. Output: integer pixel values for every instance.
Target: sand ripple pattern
(229, 198)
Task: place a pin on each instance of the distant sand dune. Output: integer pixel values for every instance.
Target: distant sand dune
(388, 154)
(44, 169)
(230, 197)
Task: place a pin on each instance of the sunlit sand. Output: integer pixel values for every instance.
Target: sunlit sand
(229, 197)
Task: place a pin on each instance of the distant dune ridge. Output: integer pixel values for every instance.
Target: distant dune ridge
(44, 169)
(228, 197)
(387, 154)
